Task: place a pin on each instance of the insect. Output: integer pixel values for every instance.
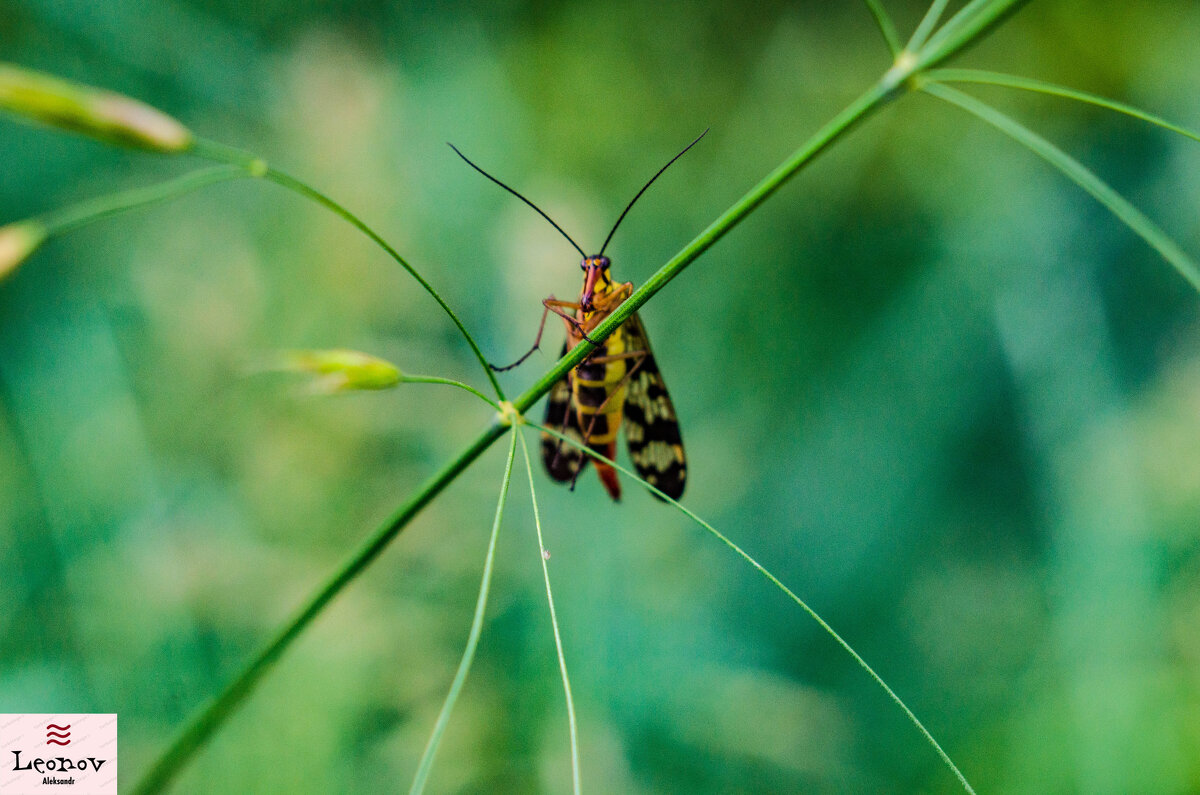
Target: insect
(617, 385)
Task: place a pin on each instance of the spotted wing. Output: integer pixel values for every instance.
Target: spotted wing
(651, 429)
(562, 460)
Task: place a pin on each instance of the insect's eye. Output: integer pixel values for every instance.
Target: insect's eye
(583, 264)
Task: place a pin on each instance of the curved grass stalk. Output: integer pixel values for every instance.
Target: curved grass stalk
(21, 239)
(464, 665)
(1077, 173)
(68, 218)
(982, 77)
(433, 379)
(39, 229)
(787, 591)
(558, 645)
(213, 150)
(886, 26)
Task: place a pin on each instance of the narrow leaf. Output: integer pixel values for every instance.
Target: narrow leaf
(1041, 87)
(1077, 173)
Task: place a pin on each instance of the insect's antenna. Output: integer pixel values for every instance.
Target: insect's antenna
(522, 198)
(643, 190)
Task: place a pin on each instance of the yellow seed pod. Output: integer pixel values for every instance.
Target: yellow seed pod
(110, 117)
(341, 370)
(17, 242)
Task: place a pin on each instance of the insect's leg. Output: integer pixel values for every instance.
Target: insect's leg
(549, 305)
(537, 341)
(572, 322)
(616, 357)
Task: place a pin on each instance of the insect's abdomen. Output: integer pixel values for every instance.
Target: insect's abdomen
(599, 391)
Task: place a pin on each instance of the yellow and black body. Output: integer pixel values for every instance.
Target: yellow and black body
(618, 385)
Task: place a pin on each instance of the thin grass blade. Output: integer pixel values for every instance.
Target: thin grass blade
(19, 240)
(788, 592)
(434, 379)
(926, 26)
(1077, 173)
(886, 26)
(68, 218)
(562, 660)
(464, 665)
(964, 28)
(1039, 86)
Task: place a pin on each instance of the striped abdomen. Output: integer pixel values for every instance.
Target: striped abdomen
(599, 392)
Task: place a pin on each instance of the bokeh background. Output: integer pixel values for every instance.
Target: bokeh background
(933, 386)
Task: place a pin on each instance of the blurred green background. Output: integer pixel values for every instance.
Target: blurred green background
(934, 387)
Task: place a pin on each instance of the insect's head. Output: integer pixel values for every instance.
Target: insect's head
(595, 269)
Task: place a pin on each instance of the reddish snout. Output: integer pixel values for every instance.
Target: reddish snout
(589, 283)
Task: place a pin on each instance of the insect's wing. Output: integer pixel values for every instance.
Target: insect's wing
(651, 429)
(562, 460)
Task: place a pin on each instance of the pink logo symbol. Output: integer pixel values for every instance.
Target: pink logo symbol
(59, 735)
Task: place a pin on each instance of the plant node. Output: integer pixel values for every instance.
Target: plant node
(508, 414)
(901, 72)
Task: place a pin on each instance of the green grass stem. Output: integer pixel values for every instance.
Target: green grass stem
(464, 666)
(966, 27)
(576, 786)
(926, 26)
(886, 26)
(69, 218)
(433, 379)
